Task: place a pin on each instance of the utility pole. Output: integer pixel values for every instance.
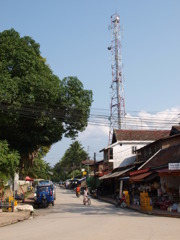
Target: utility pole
(94, 164)
(73, 169)
(95, 169)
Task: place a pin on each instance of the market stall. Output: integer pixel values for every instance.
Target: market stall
(158, 189)
(169, 191)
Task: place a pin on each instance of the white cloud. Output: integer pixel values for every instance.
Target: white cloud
(93, 139)
(94, 132)
(160, 120)
(96, 136)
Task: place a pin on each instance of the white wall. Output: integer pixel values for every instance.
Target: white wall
(121, 153)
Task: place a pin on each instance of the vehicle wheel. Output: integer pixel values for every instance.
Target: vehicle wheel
(44, 203)
(117, 204)
(35, 205)
(123, 205)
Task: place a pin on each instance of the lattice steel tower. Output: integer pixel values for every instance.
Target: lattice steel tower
(117, 108)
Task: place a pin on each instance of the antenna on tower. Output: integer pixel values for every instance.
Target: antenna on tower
(117, 105)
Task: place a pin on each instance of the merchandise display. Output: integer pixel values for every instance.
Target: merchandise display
(154, 195)
(145, 202)
(127, 197)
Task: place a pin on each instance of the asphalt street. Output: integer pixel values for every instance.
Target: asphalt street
(69, 219)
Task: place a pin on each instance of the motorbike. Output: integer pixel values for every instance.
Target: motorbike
(77, 194)
(94, 193)
(78, 190)
(120, 202)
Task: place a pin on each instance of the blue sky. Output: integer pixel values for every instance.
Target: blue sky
(74, 37)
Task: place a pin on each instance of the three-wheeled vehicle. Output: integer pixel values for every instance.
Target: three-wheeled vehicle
(43, 195)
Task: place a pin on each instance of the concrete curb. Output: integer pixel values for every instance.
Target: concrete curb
(163, 214)
(7, 218)
(153, 213)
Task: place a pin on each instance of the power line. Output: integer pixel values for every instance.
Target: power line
(34, 112)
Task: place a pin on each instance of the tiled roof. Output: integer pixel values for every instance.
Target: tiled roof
(165, 156)
(88, 162)
(138, 135)
(175, 130)
(91, 162)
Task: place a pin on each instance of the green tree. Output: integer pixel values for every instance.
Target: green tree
(93, 182)
(40, 168)
(9, 161)
(70, 164)
(36, 107)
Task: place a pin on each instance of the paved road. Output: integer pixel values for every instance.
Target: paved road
(69, 219)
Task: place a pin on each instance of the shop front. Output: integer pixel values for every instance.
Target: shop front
(142, 188)
(169, 191)
(111, 182)
(157, 189)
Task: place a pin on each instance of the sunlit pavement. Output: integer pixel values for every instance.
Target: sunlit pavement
(70, 219)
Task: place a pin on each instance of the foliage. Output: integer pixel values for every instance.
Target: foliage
(40, 168)
(36, 107)
(70, 164)
(9, 160)
(93, 183)
(73, 156)
(75, 174)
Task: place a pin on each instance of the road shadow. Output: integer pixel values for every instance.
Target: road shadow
(67, 191)
(97, 207)
(95, 210)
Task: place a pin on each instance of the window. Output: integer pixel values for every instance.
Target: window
(145, 153)
(134, 148)
(150, 152)
(106, 155)
(111, 153)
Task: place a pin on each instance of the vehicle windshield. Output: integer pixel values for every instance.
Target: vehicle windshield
(43, 189)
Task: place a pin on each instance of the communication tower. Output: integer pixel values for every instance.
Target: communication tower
(117, 105)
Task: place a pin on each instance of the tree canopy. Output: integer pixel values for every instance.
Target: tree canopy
(70, 164)
(36, 107)
(40, 168)
(9, 161)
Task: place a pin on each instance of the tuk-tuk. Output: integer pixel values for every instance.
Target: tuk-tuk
(43, 195)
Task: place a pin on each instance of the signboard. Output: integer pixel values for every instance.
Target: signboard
(174, 166)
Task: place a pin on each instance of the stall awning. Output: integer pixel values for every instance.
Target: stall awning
(115, 174)
(140, 177)
(29, 179)
(105, 176)
(137, 172)
(166, 172)
(82, 179)
(124, 178)
(151, 177)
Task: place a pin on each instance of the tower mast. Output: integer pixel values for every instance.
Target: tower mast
(117, 107)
